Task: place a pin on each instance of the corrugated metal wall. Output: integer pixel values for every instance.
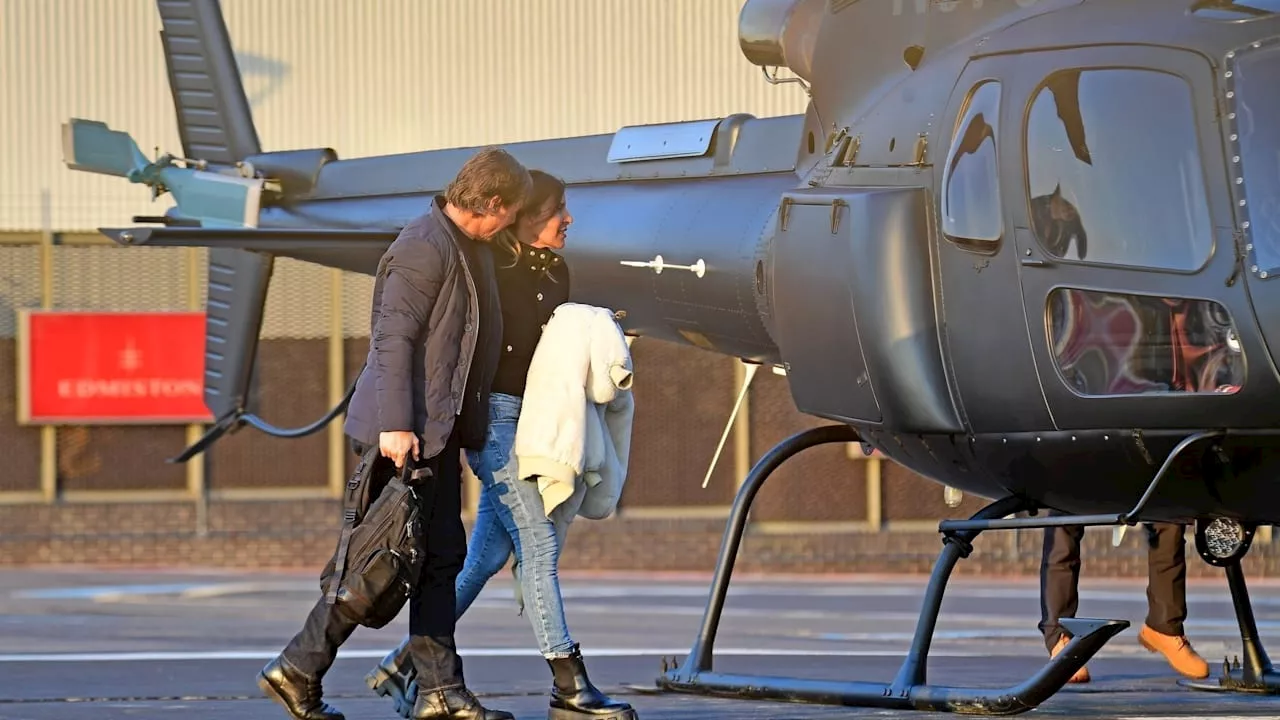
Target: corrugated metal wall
(364, 77)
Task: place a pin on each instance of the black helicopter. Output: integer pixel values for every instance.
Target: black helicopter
(1027, 248)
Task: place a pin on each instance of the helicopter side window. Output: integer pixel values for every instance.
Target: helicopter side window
(1113, 170)
(971, 212)
(1255, 155)
(1235, 10)
(1109, 343)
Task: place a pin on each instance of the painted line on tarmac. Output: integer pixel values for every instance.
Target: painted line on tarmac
(1227, 627)
(466, 653)
(199, 590)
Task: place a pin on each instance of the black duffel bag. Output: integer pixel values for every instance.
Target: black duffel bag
(375, 568)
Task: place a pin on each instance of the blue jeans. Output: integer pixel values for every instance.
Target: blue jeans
(510, 518)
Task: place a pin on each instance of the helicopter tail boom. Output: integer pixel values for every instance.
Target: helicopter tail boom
(212, 189)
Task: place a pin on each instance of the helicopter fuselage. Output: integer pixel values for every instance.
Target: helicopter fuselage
(1023, 246)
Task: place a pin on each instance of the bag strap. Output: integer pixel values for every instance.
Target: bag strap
(340, 560)
(355, 492)
(415, 476)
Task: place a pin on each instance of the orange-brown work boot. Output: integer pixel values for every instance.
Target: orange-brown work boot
(1082, 675)
(1177, 650)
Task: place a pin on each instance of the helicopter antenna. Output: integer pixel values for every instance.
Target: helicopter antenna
(733, 415)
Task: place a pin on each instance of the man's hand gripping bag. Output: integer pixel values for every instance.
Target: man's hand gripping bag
(375, 568)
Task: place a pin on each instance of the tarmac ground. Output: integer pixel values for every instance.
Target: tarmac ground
(80, 643)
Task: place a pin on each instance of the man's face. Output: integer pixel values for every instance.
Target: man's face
(496, 217)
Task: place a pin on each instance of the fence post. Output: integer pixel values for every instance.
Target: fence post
(875, 502)
(48, 433)
(197, 485)
(337, 382)
(741, 427)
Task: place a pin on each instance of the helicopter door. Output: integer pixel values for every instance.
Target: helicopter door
(1122, 235)
(979, 270)
(1251, 76)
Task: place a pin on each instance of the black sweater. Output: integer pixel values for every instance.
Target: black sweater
(529, 290)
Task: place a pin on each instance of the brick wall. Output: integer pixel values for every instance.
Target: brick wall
(683, 398)
(302, 534)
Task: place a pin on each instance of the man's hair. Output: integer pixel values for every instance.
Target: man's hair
(490, 172)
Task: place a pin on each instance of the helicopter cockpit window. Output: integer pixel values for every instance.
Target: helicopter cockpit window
(1108, 343)
(1113, 170)
(1255, 150)
(1234, 10)
(971, 213)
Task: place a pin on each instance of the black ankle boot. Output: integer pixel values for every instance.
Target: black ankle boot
(299, 693)
(394, 678)
(456, 703)
(573, 695)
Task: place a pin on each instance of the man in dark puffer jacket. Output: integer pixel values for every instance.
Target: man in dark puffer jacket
(436, 327)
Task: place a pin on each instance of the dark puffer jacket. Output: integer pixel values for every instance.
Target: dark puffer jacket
(424, 325)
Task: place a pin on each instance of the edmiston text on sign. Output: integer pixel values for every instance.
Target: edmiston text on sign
(111, 367)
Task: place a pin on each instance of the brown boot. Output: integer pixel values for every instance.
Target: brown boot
(1177, 650)
(1082, 675)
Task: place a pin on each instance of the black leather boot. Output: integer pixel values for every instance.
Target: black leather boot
(573, 697)
(394, 678)
(299, 693)
(441, 689)
(455, 703)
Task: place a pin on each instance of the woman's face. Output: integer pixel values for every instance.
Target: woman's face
(548, 228)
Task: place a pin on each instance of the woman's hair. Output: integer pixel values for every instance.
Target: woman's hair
(547, 189)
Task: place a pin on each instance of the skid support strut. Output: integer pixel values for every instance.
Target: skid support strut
(1257, 674)
(700, 657)
(908, 690)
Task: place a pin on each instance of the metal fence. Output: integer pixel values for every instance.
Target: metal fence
(314, 338)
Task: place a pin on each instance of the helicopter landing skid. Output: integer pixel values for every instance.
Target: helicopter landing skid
(1257, 674)
(909, 690)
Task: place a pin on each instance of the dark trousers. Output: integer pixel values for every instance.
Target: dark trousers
(1166, 579)
(431, 608)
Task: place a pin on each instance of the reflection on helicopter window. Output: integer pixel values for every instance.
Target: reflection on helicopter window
(1234, 10)
(970, 182)
(1113, 170)
(1257, 110)
(1122, 344)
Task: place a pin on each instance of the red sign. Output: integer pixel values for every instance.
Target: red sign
(79, 368)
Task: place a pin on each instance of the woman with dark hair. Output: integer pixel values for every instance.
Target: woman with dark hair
(532, 281)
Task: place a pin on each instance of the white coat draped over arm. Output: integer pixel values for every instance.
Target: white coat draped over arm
(576, 415)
